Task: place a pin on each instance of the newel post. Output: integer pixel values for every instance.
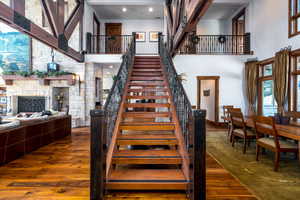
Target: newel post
(199, 156)
(97, 151)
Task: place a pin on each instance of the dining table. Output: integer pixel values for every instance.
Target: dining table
(291, 131)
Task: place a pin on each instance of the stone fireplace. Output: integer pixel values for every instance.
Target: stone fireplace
(30, 104)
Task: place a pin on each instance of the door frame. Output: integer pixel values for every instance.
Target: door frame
(217, 93)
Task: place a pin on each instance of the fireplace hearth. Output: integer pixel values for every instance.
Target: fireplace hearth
(31, 104)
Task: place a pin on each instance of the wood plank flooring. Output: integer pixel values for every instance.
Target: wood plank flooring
(60, 171)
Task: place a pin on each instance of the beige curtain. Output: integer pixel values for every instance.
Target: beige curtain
(280, 77)
(251, 85)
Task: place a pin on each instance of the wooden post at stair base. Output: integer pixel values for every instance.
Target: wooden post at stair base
(199, 156)
(98, 158)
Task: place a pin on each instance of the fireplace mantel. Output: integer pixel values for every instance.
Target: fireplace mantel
(9, 79)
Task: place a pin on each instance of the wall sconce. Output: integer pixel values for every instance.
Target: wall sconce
(76, 77)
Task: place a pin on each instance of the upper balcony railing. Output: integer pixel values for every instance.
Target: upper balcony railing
(216, 44)
(108, 44)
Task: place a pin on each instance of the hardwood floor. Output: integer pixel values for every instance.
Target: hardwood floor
(60, 171)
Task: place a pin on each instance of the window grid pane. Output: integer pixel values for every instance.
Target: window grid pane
(269, 103)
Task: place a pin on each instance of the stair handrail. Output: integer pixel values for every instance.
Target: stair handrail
(103, 123)
(192, 124)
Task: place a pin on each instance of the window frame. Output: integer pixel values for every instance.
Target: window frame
(294, 18)
(294, 73)
(261, 79)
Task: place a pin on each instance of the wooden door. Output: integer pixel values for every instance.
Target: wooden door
(113, 41)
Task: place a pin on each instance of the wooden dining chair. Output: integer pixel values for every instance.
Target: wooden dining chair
(239, 129)
(226, 117)
(266, 137)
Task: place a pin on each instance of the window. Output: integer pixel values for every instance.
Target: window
(266, 102)
(295, 83)
(294, 17)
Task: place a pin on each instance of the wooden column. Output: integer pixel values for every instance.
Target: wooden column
(98, 158)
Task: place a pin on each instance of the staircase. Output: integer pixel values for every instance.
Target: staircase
(147, 137)
(146, 156)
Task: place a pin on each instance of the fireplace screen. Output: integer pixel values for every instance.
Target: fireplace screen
(31, 104)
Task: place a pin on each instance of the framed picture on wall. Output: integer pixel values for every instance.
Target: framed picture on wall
(140, 36)
(153, 36)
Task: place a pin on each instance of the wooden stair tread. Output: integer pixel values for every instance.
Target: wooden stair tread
(140, 78)
(145, 127)
(146, 179)
(149, 90)
(147, 114)
(150, 83)
(146, 70)
(146, 97)
(147, 123)
(146, 175)
(147, 137)
(147, 105)
(147, 153)
(154, 74)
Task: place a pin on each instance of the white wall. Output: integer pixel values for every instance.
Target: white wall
(88, 19)
(213, 27)
(268, 24)
(208, 102)
(130, 26)
(229, 68)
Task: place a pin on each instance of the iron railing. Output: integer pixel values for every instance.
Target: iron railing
(216, 44)
(192, 124)
(103, 124)
(108, 44)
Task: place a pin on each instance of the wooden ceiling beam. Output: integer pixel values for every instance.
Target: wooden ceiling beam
(61, 16)
(49, 8)
(74, 19)
(195, 9)
(23, 24)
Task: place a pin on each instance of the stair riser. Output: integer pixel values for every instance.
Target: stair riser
(147, 97)
(146, 186)
(147, 90)
(135, 78)
(152, 74)
(147, 70)
(150, 161)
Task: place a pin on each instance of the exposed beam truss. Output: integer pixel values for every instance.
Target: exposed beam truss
(183, 16)
(14, 16)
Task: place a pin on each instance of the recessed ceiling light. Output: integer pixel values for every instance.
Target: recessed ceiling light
(111, 66)
(124, 9)
(150, 9)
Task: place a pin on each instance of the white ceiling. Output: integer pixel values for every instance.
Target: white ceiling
(133, 11)
(125, 2)
(224, 9)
